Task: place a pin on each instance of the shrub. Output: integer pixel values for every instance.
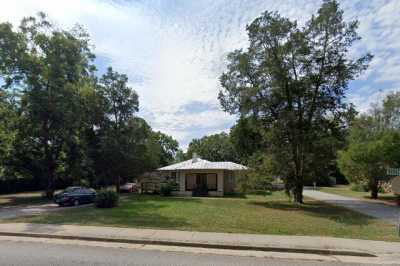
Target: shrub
(84, 183)
(167, 188)
(106, 199)
(360, 187)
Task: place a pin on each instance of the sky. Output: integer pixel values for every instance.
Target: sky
(173, 51)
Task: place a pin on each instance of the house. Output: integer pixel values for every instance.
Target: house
(200, 177)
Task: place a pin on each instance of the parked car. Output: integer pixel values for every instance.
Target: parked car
(75, 196)
(129, 188)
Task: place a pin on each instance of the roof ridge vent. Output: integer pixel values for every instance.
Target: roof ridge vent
(195, 157)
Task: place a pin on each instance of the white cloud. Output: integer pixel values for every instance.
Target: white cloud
(174, 51)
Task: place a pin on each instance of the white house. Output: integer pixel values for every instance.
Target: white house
(200, 177)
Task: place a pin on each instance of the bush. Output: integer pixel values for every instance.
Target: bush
(359, 187)
(84, 183)
(106, 199)
(166, 189)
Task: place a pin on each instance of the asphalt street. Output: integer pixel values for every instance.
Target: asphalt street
(57, 254)
(375, 209)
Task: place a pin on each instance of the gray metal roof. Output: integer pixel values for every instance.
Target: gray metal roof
(198, 164)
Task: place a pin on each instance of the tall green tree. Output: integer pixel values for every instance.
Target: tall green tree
(48, 65)
(9, 119)
(293, 81)
(373, 145)
(169, 148)
(246, 138)
(120, 104)
(216, 147)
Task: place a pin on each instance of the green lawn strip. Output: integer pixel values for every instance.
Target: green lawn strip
(272, 214)
(345, 190)
(25, 198)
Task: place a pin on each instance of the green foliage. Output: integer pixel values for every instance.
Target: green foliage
(49, 65)
(106, 199)
(372, 145)
(259, 177)
(246, 137)
(359, 187)
(292, 81)
(216, 147)
(59, 123)
(167, 189)
(180, 156)
(169, 148)
(84, 183)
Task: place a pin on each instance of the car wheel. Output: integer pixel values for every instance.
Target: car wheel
(76, 202)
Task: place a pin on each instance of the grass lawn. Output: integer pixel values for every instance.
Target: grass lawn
(344, 190)
(272, 214)
(25, 198)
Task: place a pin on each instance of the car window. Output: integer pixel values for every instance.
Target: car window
(87, 191)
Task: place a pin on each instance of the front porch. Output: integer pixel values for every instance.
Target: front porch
(200, 182)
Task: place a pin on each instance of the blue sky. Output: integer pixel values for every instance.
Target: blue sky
(174, 50)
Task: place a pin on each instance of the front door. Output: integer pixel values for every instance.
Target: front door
(201, 185)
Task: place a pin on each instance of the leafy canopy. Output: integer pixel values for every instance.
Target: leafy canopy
(293, 81)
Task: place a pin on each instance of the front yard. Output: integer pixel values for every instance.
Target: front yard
(272, 214)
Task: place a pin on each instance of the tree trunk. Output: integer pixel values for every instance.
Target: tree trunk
(50, 181)
(118, 184)
(50, 167)
(374, 189)
(298, 192)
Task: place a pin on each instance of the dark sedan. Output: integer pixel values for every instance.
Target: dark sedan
(75, 196)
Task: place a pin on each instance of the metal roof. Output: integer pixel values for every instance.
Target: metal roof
(197, 164)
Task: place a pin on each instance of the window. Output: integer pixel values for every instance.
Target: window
(212, 181)
(190, 181)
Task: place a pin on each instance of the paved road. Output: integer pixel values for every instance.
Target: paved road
(38, 254)
(375, 209)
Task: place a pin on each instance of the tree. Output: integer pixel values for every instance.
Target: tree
(8, 128)
(293, 81)
(59, 123)
(216, 147)
(246, 138)
(169, 148)
(48, 65)
(120, 104)
(373, 145)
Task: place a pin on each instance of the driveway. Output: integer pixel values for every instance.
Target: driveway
(27, 210)
(375, 209)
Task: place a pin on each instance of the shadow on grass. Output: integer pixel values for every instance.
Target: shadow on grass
(235, 195)
(133, 211)
(320, 210)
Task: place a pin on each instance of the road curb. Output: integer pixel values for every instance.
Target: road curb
(197, 244)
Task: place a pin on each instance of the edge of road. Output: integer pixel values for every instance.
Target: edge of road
(321, 251)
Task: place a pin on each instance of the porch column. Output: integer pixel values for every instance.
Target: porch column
(220, 182)
(182, 181)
